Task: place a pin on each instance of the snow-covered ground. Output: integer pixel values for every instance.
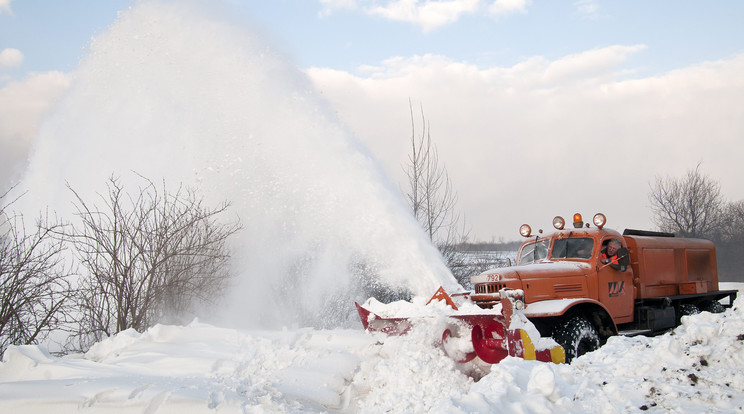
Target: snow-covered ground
(202, 368)
(180, 95)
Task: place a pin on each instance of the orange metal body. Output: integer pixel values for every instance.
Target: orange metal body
(659, 267)
(672, 266)
(559, 278)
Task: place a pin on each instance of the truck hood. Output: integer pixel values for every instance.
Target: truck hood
(544, 269)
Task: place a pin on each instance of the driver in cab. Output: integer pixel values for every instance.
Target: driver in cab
(615, 255)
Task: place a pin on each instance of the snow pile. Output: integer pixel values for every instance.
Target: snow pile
(203, 368)
(696, 368)
(196, 368)
(422, 307)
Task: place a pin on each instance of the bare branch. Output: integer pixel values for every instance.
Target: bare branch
(690, 206)
(149, 258)
(431, 196)
(35, 291)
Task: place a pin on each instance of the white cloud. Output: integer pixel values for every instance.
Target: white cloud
(10, 57)
(330, 5)
(22, 105)
(504, 7)
(428, 14)
(339, 4)
(594, 63)
(570, 134)
(594, 66)
(5, 7)
(587, 8)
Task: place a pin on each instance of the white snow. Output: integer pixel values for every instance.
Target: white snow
(203, 368)
(178, 94)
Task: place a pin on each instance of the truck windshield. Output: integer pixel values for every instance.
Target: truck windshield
(578, 248)
(534, 251)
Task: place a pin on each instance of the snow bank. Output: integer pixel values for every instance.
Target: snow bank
(203, 368)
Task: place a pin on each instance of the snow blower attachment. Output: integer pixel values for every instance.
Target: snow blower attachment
(493, 336)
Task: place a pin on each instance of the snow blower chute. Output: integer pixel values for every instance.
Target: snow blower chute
(494, 336)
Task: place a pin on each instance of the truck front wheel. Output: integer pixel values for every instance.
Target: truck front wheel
(577, 336)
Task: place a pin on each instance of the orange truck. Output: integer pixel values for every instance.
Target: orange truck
(570, 294)
(579, 286)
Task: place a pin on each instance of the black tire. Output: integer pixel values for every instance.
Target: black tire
(577, 336)
(713, 306)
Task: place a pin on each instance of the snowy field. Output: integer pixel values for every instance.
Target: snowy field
(182, 96)
(201, 368)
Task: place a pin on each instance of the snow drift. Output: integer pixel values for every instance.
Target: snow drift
(201, 368)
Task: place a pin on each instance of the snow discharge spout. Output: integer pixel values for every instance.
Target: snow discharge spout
(173, 93)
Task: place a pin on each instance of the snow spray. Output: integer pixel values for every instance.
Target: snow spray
(177, 93)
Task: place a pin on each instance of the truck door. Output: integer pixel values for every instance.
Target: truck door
(616, 290)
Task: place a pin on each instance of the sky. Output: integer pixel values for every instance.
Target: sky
(536, 108)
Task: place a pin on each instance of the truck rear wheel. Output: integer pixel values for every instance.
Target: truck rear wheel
(686, 309)
(577, 336)
(713, 306)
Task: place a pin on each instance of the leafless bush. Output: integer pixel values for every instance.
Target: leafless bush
(35, 292)
(150, 257)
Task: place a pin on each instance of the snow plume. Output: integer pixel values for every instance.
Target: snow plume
(176, 93)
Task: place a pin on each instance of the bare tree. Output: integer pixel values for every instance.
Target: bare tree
(432, 198)
(730, 242)
(35, 293)
(154, 257)
(732, 222)
(690, 206)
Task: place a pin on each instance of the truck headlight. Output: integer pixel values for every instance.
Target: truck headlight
(559, 223)
(599, 220)
(525, 230)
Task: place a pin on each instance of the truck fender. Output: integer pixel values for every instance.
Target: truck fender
(594, 310)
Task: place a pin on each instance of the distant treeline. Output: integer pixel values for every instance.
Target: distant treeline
(488, 246)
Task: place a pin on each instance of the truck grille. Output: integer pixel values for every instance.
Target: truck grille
(489, 287)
